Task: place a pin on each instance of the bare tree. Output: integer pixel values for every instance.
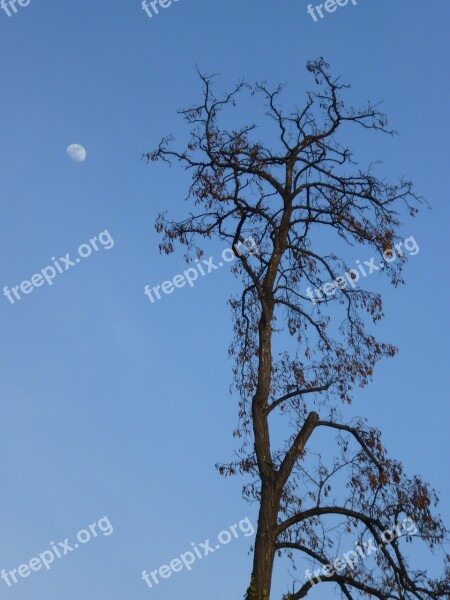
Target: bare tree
(298, 360)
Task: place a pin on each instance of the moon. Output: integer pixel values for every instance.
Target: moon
(76, 152)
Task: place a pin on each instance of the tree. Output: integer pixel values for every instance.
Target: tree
(298, 357)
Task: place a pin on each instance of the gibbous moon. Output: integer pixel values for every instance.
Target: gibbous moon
(76, 152)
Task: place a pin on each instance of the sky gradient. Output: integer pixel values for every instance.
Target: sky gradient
(115, 406)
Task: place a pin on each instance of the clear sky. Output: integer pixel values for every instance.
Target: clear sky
(111, 405)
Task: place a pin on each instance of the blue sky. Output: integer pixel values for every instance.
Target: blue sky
(115, 406)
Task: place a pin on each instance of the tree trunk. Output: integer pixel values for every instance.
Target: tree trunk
(264, 555)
